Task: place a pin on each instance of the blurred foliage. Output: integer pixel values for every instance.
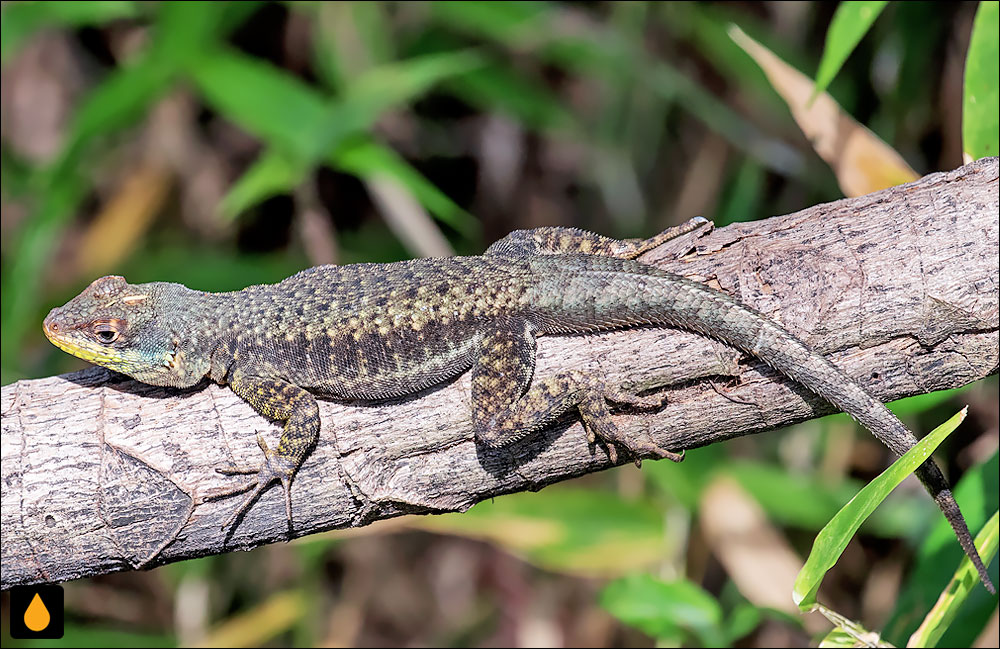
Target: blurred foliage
(230, 143)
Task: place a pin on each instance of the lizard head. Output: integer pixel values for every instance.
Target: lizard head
(122, 327)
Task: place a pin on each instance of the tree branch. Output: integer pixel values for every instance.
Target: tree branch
(900, 288)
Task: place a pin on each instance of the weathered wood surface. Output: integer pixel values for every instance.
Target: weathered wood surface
(900, 288)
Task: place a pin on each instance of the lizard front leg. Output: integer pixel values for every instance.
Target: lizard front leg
(282, 401)
(505, 409)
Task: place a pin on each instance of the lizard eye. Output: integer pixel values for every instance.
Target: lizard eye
(106, 332)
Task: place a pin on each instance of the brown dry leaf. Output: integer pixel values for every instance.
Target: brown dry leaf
(123, 220)
(863, 162)
(756, 556)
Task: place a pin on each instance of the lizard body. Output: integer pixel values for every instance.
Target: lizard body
(376, 331)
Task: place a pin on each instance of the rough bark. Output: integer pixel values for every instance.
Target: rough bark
(899, 288)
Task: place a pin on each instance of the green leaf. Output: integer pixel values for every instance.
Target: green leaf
(920, 403)
(22, 277)
(273, 173)
(266, 101)
(120, 99)
(832, 539)
(809, 501)
(966, 579)
(685, 482)
(373, 29)
(743, 619)
(79, 634)
(22, 19)
(850, 23)
(365, 158)
(298, 120)
(184, 30)
(981, 104)
(847, 633)
(664, 609)
(395, 83)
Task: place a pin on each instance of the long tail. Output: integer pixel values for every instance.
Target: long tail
(605, 292)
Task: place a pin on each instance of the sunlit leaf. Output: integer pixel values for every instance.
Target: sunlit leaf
(303, 126)
(850, 23)
(847, 632)
(119, 100)
(366, 158)
(185, 29)
(981, 103)
(506, 22)
(259, 624)
(832, 539)
(498, 88)
(661, 608)
(123, 219)
(937, 554)
(395, 83)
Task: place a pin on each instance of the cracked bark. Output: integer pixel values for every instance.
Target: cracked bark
(899, 288)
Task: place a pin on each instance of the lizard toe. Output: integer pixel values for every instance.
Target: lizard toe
(275, 468)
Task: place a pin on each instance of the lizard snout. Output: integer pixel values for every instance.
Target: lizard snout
(51, 325)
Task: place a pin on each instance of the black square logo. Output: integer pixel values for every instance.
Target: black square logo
(36, 612)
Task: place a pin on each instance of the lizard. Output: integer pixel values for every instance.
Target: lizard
(380, 331)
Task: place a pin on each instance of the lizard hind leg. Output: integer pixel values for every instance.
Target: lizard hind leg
(507, 407)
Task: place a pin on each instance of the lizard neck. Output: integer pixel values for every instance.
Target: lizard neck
(200, 325)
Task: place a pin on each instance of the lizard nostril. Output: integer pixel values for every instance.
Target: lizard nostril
(50, 326)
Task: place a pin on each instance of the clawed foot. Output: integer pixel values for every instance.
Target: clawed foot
(275, 467)
(598, 423)
(638, 447)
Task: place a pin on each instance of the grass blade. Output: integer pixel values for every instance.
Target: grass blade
(832, 539)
